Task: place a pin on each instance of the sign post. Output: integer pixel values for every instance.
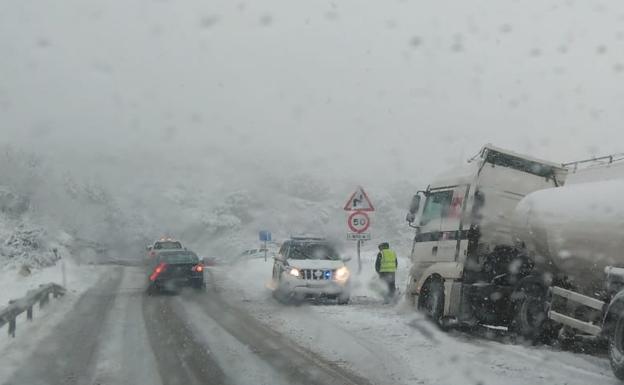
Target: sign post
(358, 221)
(265, 236)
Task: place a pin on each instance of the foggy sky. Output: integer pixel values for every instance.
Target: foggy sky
(374, 90)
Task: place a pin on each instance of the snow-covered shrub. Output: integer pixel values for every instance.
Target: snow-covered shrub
(27, 246)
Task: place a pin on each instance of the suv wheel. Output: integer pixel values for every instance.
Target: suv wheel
(343, 299)
(152, 289)
(280, 293)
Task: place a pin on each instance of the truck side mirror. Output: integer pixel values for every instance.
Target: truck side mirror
(413, 208)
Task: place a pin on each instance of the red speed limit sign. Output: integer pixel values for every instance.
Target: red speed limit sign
(358, 221)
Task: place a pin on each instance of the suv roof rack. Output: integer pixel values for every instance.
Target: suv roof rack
(303, 238)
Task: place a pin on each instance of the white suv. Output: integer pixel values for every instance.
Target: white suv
(310, 267)
(163, 244)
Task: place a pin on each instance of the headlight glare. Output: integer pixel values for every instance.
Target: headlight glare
(342, 274)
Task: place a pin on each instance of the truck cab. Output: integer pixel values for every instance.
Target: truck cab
(463, 238)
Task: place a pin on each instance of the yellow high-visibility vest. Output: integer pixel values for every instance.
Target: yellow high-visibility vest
(388, 261)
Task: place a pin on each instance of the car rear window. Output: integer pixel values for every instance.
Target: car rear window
(179, 258)
(167, 245)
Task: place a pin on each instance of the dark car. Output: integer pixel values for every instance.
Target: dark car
(171, 270)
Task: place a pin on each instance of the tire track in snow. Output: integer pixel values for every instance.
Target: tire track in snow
(352, 351)
(181, 359)
(297, 364)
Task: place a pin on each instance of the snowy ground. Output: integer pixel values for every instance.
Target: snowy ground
(30, 334)
(77, 278)
(116, 334)
(395, 345)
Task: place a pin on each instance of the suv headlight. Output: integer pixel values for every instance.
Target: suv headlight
(342, 274)
(294, 272)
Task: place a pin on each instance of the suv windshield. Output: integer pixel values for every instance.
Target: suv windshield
(312, 251)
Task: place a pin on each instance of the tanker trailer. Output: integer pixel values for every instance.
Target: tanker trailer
(575, 237)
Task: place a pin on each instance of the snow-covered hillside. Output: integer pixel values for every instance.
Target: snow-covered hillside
(48, 203)
(46, 216)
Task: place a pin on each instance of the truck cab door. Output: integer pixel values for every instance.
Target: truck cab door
(452, 242)
(426, 242)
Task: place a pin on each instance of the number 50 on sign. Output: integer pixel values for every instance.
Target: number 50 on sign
(358, 222)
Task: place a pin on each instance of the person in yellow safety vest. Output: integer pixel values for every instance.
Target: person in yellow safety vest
(386, 266)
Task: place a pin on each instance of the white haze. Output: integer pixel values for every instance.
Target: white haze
(196, 114)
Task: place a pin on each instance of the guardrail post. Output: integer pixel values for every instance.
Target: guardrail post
(43, 301)
(12, 325)
(27, 304)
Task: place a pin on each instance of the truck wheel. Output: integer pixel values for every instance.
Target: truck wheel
(432, 303)
(616, 348)
(530, 312)
(409, 293)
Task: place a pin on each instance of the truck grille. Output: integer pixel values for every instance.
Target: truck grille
(316, 274)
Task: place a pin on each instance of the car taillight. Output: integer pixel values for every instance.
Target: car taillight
(198, 268)
(157, 271)
(152, 253)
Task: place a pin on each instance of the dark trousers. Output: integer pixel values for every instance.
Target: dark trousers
(389, 278)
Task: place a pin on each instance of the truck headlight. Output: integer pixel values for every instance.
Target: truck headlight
(342, 274)
(294, 272)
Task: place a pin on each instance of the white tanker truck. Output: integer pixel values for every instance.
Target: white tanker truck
(532, 245)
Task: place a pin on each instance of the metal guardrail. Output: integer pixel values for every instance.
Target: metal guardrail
(9, 314)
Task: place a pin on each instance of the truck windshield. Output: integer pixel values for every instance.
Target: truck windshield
(436, 206)
(505, 160)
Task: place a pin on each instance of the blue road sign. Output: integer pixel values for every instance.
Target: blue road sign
(265, 236)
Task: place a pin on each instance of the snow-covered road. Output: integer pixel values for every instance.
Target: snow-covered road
(116, 334)
(236, 333)
(395, 345)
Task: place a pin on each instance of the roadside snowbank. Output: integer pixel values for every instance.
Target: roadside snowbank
(79, 278)
(30, 255)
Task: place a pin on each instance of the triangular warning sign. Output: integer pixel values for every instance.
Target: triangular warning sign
(359, 201)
